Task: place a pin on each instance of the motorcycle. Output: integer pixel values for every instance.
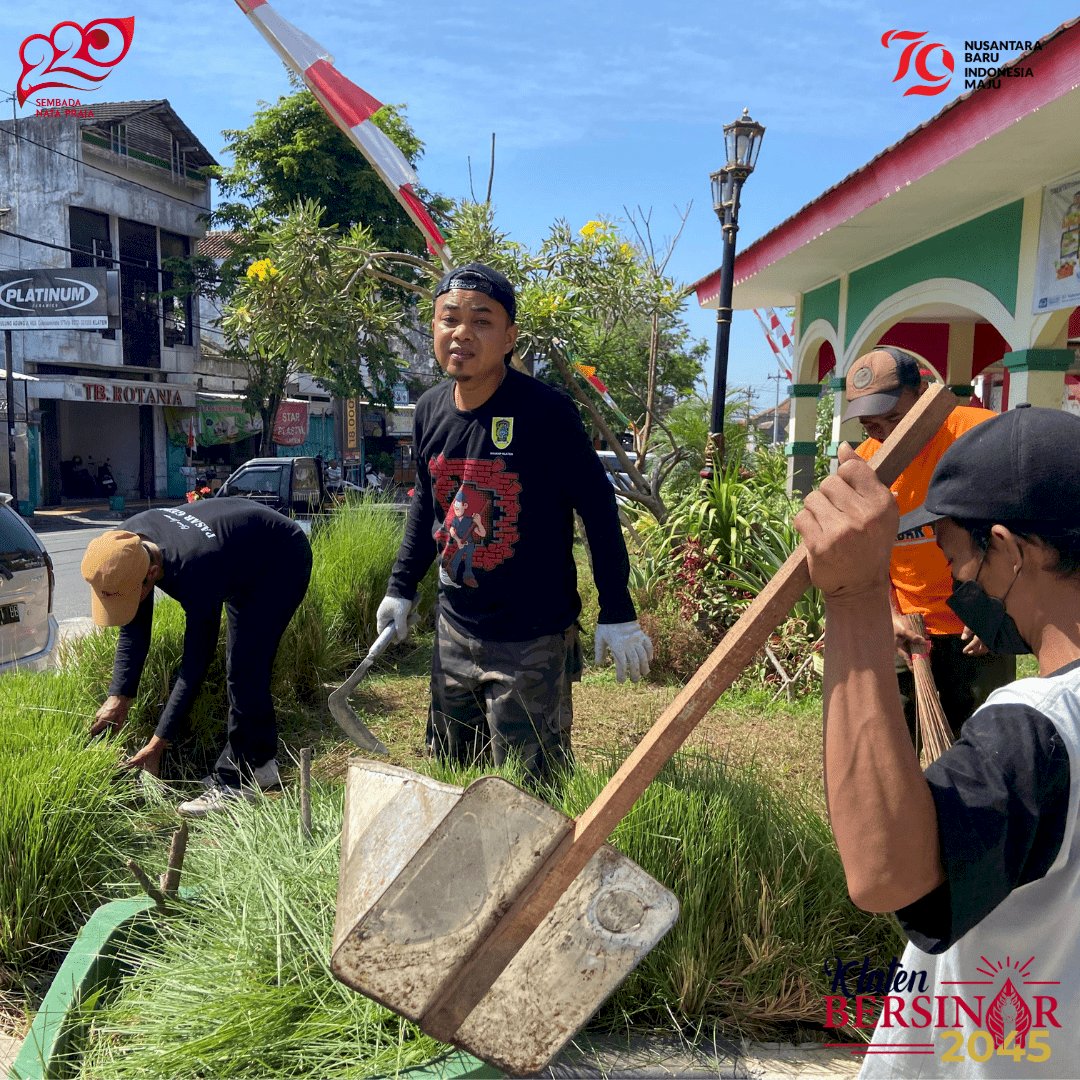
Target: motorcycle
(105, 479)
(374, 479)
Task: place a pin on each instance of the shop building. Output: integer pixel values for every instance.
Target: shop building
(959, 243)
(122, 190)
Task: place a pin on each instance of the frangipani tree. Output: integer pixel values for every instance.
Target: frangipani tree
(306, 305)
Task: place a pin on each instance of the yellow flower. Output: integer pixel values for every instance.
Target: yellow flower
(626, 251)
(262, 269)
(590, 227)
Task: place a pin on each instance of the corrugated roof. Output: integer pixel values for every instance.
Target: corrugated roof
(145, 115)
(218, 244)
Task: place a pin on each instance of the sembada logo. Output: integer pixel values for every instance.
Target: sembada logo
(72, 56)
(918, 54)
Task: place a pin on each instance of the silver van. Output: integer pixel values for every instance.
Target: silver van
(28, 627)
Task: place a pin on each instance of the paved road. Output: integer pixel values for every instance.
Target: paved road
(66, 546)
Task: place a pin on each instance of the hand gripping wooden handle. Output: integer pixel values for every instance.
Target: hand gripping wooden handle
(590, 831)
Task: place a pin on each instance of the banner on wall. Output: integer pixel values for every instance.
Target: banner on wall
(225, 422)
(217, 423)
(1057, 264)
(1070, 400)
(291, 423)
(400, 421)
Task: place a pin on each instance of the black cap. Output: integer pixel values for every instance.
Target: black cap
(1021, 466)
(476, 277)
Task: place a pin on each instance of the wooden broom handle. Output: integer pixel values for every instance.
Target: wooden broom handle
(585, 836)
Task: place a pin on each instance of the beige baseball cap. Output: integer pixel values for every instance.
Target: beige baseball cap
(115, 566)
(876, 380)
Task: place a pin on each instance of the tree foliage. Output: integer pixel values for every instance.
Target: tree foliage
(306, 305)
(293, 151)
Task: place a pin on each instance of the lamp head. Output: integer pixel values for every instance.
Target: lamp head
(742, 139)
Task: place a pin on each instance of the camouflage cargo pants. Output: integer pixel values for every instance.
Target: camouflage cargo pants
(501, 697)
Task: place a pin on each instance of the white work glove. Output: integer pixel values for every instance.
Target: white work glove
(629, 646)
(394, 610)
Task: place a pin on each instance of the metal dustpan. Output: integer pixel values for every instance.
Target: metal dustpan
(424, 873)
(489, 918)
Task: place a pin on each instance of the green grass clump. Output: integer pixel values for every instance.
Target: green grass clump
(763, 901)
(354, 552)
(88, 661)
(59, 832)
(241, 986)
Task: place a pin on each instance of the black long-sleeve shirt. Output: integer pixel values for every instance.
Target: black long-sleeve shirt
(213, 551)
(523, 464)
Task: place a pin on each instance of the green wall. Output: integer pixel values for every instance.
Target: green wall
(984, 251)
(823, 303)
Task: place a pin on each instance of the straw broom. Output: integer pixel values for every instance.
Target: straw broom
(934, 733)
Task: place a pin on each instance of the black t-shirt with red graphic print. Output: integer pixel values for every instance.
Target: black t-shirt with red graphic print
(496, 491)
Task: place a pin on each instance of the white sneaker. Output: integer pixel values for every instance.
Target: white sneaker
(214, 799)
(267, 775)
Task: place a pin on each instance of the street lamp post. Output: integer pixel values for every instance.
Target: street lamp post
(742, 139)
(9, 385)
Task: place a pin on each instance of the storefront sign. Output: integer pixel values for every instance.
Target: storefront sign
(352, 427)
(59, 299)
(291, 423)
(131, 393)
(114, 392)
(1057, 266)
(400, 421)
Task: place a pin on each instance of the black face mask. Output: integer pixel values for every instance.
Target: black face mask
(985, 616)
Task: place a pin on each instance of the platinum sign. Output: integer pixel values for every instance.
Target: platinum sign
(56, 299)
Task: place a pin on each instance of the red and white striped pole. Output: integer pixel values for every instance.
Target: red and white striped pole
(351, 109)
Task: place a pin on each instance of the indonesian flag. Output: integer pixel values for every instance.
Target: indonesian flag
(191, 444)
(351, 109)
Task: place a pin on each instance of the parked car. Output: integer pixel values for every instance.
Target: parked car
(28, 627)
(619, 479)
(291, 485)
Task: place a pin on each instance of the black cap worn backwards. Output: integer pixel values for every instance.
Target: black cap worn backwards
(477, 277)
(1022, 466)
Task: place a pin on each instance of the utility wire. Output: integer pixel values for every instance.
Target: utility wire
(90, 165)
(119, 260)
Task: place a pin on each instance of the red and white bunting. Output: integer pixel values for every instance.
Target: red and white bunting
(783, 356)
(778, 328)
(351, 109)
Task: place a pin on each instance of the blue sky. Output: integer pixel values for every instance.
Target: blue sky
(596, 106)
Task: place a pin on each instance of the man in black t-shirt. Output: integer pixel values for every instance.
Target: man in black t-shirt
(215, 553)
(503, 463)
